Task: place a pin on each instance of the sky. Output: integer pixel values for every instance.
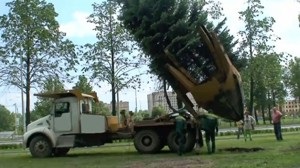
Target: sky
(72, 19)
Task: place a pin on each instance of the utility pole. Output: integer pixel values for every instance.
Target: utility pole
(135, 101)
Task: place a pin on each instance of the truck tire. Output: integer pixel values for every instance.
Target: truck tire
(40, 147)
(60, 151)
(174, 145)
(147, 141)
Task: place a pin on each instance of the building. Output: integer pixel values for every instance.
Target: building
(123, 105)
(156, 99)
(291, 107)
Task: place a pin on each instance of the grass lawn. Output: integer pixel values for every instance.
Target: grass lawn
(282, 154)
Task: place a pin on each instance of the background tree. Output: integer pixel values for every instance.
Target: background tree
(141, 114)
(43, 106)
(299, 14)
(7, 119)
(112, 58)
(294, 78)
(30, 33)
(255, 38)
(268, 75)
(84, 86)
(158, 111)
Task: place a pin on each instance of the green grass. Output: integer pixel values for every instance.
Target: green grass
(286, 121)
(283, 154)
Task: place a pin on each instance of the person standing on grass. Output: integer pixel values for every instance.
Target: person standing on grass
(249, 123)
(276, 117)
(209, 124)
(181, 129)
(240, 126)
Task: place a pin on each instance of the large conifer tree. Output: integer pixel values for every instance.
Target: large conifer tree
(173, 25)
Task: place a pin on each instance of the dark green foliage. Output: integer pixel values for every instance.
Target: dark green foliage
(294, 79)
(43, 106)
(158, 111)
(11, 146)
(173, 25)
(83, 85)
(30, 37)
(113, 58)
(7, 121)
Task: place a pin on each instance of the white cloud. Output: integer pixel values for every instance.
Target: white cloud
(285, 14)
(78, 27)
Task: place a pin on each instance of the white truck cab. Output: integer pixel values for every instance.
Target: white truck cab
(69, 124)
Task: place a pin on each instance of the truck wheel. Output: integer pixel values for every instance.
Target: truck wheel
(60, 151)
(147, 141)
(190, 141)
(40, 147)
(173, 141)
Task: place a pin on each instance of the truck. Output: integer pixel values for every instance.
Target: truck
(71, 123)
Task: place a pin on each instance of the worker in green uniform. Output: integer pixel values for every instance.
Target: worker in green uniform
(209, 124)
(180, 123)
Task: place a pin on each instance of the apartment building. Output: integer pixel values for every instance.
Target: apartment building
(291, 107)
(156, 99)
(123, 105)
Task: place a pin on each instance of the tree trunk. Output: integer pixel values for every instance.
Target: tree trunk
(255, 115)
(27, 89)
(113, 83)
(273, 98)
(269, 108)
(263, 114)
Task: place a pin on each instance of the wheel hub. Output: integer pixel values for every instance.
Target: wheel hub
(146, 141)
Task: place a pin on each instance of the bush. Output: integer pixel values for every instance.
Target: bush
(11, 146)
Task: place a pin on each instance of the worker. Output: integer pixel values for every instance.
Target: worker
(199, 137)
(240, 126)
(124, 123)
(181, 129)
(130, 121)
(209, 124)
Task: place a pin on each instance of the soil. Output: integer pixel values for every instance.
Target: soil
(173, 163)
(187, 162)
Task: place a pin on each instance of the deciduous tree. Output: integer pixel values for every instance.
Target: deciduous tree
(294, 80)
(113, 58)
(7, 120)
(43, 106)
(255, 37)
(84, 86)
(32, 46)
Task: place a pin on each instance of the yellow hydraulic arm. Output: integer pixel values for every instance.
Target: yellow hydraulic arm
(221, 92)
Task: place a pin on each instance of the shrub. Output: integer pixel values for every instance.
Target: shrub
(11, 146)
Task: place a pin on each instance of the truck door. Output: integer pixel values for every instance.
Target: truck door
(62, 117)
